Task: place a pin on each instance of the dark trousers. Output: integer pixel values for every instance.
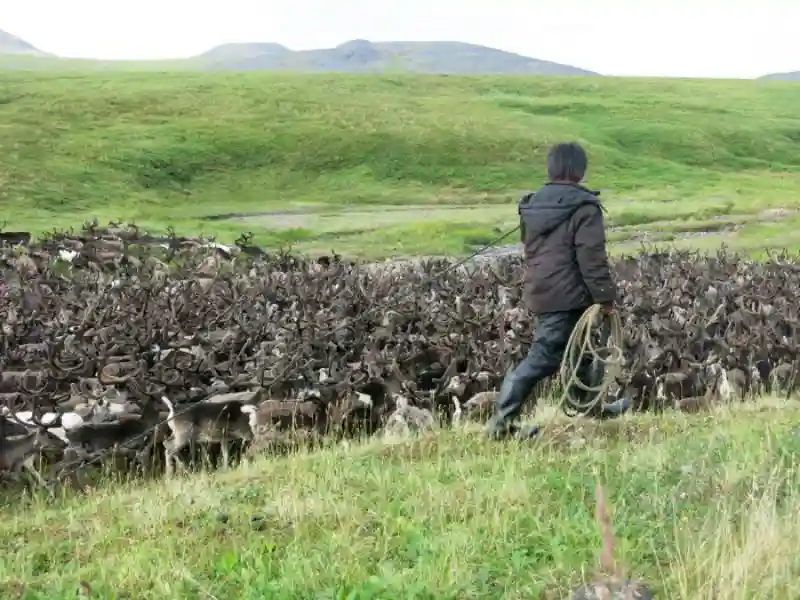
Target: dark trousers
(543, 360)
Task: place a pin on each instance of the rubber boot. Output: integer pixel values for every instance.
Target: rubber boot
(593, 375)
(506, 409)
(615, 408)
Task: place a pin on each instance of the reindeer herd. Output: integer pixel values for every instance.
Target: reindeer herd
(147, 354)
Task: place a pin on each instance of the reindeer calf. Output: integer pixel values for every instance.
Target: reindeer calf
(272, 415)
(676, 385)
(407, 419)
(737, 381)
(478, 408)
(785, 378)
(282, 425)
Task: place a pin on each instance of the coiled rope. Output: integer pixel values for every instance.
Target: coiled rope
(581, 344)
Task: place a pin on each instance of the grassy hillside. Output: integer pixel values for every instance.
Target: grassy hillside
(703, 507)
(360, 162)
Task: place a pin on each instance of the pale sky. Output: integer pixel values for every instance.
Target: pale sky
(691, 38)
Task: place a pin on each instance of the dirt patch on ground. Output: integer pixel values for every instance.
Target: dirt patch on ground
(301, 216)
(777, 214)
(234, 216)
(338, 219)
(676, 232)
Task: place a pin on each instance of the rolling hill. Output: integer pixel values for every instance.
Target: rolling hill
(790, 76)
(11, 44)
(356, 56)
(365, 56)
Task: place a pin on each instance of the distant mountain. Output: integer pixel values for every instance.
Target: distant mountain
(228, 53)
(356, 56)
(11, 44)
(359, 56)
(790, 76)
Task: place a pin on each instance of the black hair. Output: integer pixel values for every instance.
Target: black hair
(567, 162)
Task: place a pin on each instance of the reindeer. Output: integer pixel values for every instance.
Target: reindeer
(408, 419)
(280, 415)
(18, 452)
(742, 377)
(203, 422)
(785, 378)
(676, 385)
(737, 381)
(96, 403)
(281, 425)
(478, 408)
(21, 381)
(355, 413)
(129, 433)
(15, 238)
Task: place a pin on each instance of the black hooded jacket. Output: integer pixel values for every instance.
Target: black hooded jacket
(566, 264)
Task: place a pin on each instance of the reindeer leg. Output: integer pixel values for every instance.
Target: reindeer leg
(204, 453)
(144, 458)
(226, 454)
(169, 458)
(37, 476)
(457, 412)
(178, 444)
(179, 463)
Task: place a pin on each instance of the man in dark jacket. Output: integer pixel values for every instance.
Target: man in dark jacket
(566, 271)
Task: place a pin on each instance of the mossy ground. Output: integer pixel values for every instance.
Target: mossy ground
(704, 506)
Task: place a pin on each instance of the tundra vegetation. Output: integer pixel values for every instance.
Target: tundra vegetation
(346, 394)
(395, 165)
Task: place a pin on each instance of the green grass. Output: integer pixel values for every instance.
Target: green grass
(177, 148)
(704, 506)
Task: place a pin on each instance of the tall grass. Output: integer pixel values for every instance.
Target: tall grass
(704, 507)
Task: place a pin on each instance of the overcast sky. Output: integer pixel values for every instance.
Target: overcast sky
(704, 38)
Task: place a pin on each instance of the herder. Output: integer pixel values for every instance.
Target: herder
(566, 271)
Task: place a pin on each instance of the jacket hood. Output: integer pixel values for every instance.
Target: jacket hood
(555, 203)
